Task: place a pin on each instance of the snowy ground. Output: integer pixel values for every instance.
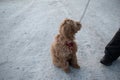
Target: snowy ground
(27, 28)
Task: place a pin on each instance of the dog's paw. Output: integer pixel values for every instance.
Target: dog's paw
(67, 70)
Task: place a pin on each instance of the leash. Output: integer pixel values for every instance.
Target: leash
(83, 14)
(84, 11)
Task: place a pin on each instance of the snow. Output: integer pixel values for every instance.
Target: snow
(28, 27)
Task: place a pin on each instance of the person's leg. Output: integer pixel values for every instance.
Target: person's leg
(112, 50)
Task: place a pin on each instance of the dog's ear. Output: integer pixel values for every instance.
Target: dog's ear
(66, 30)
(64, 25)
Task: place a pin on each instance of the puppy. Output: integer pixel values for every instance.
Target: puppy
(64, 48)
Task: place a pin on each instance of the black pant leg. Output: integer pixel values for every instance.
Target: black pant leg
(113, 47)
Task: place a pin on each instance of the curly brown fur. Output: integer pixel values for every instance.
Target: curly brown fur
(64, 48)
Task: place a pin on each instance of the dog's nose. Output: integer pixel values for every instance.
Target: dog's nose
(78, 25)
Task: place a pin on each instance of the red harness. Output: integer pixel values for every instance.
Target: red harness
(69, 45)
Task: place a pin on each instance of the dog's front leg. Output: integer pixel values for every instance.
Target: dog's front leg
(74, 62)
(65, 66)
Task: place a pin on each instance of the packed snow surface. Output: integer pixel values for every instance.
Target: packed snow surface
(28, 27)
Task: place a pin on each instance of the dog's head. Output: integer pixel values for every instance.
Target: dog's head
(69, 27)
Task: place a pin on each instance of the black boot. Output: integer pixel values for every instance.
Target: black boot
(106, 60)
(112, 50)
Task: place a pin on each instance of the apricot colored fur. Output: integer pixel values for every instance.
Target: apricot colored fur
(62, 55)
